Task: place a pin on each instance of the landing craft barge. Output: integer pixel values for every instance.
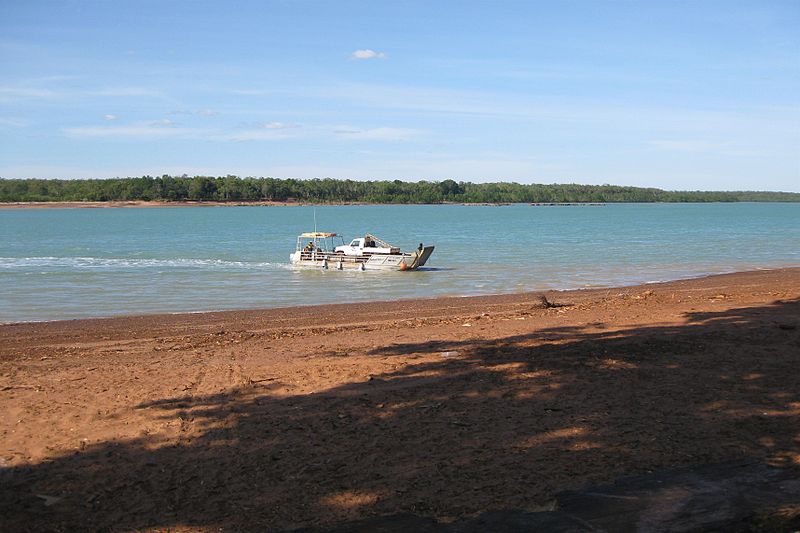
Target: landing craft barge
(365, 253)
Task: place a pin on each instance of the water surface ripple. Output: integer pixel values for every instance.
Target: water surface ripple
(74, 263)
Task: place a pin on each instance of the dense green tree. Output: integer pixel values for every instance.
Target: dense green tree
(202, 188)
(233, 189)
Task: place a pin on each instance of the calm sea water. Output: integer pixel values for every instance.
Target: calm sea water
(72, 263)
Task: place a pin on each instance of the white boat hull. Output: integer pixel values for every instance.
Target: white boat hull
(338, 261)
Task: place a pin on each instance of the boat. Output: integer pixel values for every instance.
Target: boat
(319, 250)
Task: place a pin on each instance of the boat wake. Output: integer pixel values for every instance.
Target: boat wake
(118, 263)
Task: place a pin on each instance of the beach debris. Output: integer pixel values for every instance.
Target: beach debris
(466, 325)
(10, 387)
(252, 381)
(185, 346)
(448, 355)
(540, 301)
(49, 500)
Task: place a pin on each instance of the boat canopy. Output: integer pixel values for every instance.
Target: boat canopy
(318, 234)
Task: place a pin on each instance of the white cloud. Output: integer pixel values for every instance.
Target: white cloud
(109, 117)
(208, 112)
(366, 53)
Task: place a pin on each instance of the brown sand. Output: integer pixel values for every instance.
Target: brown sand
(309, 416)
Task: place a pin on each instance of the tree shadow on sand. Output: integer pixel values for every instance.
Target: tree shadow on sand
(487, 425)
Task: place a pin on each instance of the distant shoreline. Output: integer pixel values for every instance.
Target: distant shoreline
(267, 203)
(135, 203)
(187, 190)
(256, 203)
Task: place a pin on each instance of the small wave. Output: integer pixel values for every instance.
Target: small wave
(19, 263)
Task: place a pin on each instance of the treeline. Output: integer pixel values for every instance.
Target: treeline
(235, 189)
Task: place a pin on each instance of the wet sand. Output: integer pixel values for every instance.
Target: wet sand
(310, 416)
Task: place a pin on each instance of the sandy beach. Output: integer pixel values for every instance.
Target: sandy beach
(311, 416)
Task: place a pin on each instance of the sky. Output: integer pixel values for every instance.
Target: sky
(680, 95)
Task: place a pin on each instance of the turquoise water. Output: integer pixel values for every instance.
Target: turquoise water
(73, 263)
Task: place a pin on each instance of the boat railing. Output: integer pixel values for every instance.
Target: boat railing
(331, 257)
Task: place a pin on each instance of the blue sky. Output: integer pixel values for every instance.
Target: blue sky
(672, 94)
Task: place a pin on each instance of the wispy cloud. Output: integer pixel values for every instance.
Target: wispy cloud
(688, 145)
(23, 93)
(248, 131)
(110, 117)
(366, 53)
(253, 92)
(522, 107)
(377, 134)
(279, 126)
(13, 122)
(261, 131)
(727, 149)
(167, 129)
(117, 91)
(10, 93)
(143, 132)
(255, 135)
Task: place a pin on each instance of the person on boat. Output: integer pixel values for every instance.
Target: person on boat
(310, 246)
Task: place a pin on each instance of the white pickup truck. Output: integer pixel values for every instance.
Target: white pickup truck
(366, 246)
